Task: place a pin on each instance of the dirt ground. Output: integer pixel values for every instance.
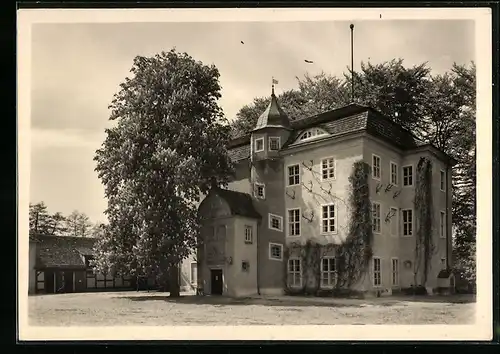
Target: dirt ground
(157, 309)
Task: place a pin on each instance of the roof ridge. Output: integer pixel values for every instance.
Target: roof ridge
(387, 118)
(337, 113)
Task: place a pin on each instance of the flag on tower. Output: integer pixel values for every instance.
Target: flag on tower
(275, 82)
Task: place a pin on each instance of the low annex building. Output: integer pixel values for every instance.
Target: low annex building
(60, 264)
(292, 188)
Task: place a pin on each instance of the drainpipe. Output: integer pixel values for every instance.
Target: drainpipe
(252, 187)
(257, 265)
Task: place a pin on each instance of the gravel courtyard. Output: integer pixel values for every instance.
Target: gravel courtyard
(156, 309)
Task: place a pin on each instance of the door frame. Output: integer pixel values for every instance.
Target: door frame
(217, 267)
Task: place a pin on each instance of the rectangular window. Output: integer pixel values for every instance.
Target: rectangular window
(293, 175)
(407, 222)
(395, 272)
(194, 273)
(394, 220)
(443, 263)
(259, 144)
(276, 251)
(328, 168)
(260, 191)
(328, 272)
(248, 234)
(294, 222)
(294, 273)
(328, 219)
(377, 271)
(394, 173)
(376, 166)
(376, 215)
(274, 143)
(275, 222)
(442, 222)
(407, 175)
(442, 179)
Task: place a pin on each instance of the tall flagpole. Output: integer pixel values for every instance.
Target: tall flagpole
(352, 62)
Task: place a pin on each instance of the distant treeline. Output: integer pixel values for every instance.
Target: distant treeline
(76, 224)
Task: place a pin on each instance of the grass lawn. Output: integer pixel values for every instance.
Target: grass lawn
(157, 309)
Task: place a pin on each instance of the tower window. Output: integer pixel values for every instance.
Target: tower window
(259, 144)
(274, 143)
(260, 190)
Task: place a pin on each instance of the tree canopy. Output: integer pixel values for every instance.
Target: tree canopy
(168, 146)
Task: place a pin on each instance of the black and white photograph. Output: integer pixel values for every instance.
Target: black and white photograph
(254, 174)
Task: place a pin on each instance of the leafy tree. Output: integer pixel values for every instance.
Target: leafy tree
(39, 219)
(463, 148)
(466, 261)
(98, 229)
(78, 224)
(396, 91)
(168, 146)
(58, 222)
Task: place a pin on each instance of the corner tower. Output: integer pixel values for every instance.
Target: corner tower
(267, 178)
(270, 132)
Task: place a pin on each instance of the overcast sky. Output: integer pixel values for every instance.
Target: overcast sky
(76, 69)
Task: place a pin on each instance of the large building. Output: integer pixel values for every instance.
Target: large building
(291, 194)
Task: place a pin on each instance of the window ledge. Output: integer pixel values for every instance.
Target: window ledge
(332, 179)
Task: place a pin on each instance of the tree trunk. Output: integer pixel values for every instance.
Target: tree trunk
(174, 282)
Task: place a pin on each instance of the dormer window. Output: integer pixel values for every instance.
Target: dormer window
(312, 134)
(274, 143)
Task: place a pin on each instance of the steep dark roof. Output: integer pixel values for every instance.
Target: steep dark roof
(354, 118)
(348, 119)
(63, 251)
(239, 153)
(273, 116)
(240, 203)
